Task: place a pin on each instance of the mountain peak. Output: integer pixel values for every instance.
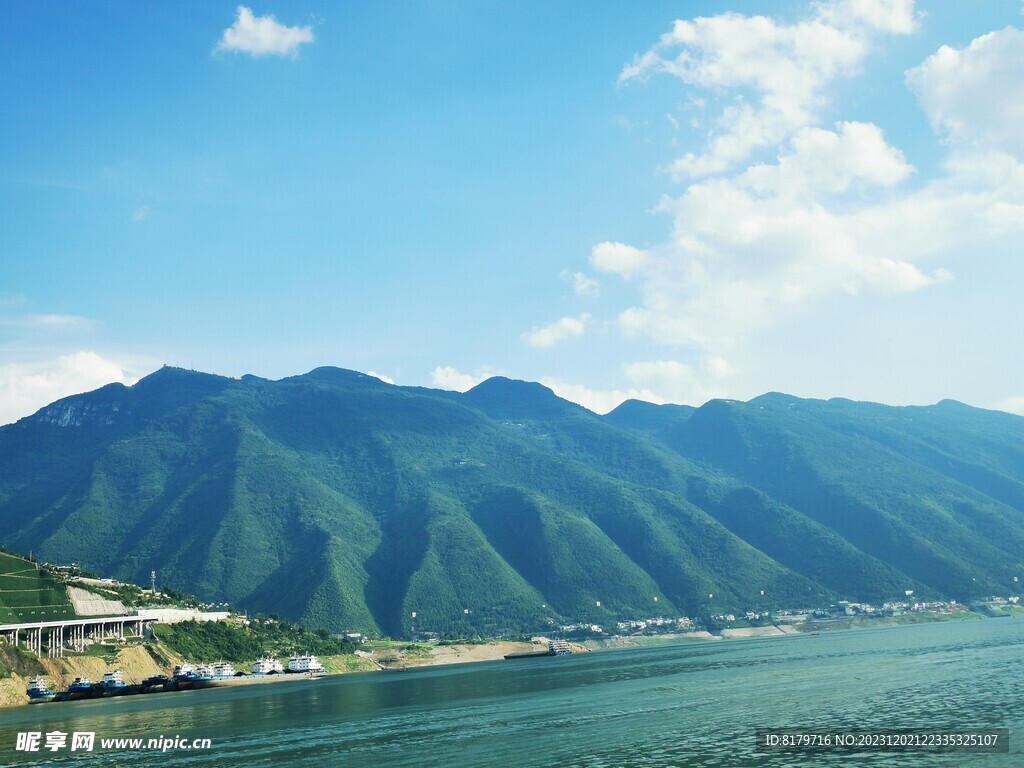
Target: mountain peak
(775, 398)
(512, 398)
(334, 372)
(172, 375)
(640, 414)
(170, 387)
(334, 375)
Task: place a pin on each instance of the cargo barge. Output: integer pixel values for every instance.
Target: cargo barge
(555, 648)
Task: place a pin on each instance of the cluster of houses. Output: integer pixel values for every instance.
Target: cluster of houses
(573, 629)
(660, 624)
(840, 610)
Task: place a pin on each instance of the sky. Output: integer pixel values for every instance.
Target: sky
(670, 201)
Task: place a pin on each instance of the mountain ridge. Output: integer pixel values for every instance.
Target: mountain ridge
(341, 500)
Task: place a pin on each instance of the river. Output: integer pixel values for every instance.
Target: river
(692, 704)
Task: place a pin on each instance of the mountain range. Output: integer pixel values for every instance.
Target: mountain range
(342, 501)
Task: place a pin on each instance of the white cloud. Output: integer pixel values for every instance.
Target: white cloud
(618, 258)
(759, 244)
(976, 94)
(582, 285)
(597, 400)
(820, 161)
(678, 382)
(823, 211)
(670, 371)
(657, 381)
(895, 16)
(450, 378)
(753, 250)
(783, 67)
(381, 376)
(1011, 405)
(262, 35)
(141, 214)
(25, 388)
(57, 322)
(558, 331)
(718, 367)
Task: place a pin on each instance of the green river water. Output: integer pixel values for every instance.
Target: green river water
(693, 704)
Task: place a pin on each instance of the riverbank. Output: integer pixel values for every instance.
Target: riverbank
(138, 663)
(403, 654)
(818, 626)
(397, 655)
(135, 662)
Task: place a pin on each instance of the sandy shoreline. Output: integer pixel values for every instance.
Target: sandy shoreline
(396, 655)
(458, 653)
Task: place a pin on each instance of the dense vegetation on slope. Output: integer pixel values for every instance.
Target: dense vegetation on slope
(211, 641)
(29, 593)
(339, 500)
(900, 484)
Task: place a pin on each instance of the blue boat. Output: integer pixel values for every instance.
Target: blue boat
(38, 692)
(184, 676)
(81, 688)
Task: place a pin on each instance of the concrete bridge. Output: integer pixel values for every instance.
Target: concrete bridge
(72, 634)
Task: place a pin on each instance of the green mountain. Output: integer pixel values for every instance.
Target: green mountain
(339, 500)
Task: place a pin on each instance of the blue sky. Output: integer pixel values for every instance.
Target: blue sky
(671, 201)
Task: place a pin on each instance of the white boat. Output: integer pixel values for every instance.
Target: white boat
(113, 681)
(555, 648)
(212, 675)
(267, 666)
(185, 670)
(308, 664)
(223, 669)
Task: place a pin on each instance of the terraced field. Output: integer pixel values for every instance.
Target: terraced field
(29, 594)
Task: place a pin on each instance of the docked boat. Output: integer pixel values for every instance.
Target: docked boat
(81, 688)
(267, 666)
(307, 664)
(559, 648)
(555, 648)
(212, 675)
(158, 684)
(38, 691)
(183, 677)
(113, 683)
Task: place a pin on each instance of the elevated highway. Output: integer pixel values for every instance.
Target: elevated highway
(74, 634)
